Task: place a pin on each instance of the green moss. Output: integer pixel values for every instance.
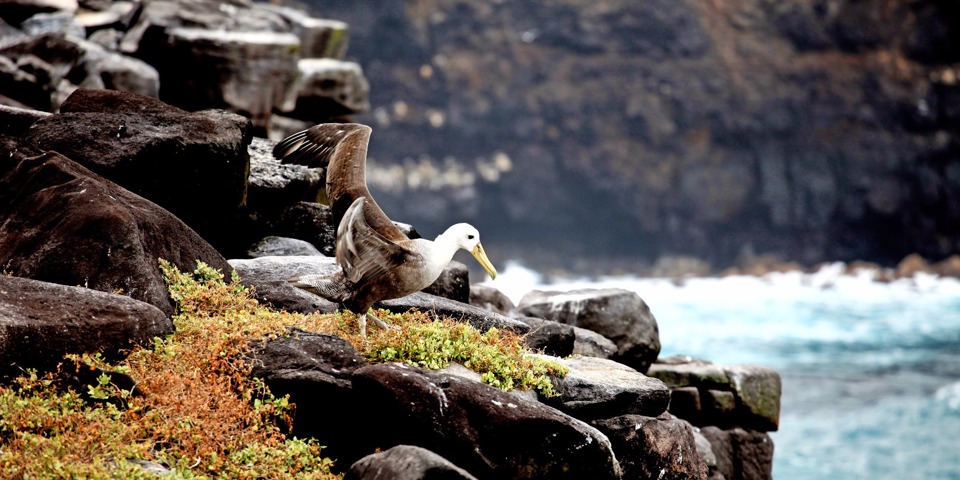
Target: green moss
(499, 357)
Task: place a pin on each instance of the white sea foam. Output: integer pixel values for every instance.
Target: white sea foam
(949, 395)
(827, 306)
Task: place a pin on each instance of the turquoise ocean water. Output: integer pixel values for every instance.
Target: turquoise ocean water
(871, 370)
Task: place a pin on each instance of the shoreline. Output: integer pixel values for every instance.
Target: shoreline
(555, 266)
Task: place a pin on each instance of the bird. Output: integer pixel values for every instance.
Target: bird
(377, 261)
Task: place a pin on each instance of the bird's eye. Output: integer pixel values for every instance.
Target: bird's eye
(469, 237)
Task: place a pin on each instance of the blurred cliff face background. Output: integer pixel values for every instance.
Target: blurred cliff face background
(805, 130)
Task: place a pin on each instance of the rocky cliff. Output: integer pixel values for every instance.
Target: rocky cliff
(812, 130)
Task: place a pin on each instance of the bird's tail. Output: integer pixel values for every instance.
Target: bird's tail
(295, 281)
(329, 287)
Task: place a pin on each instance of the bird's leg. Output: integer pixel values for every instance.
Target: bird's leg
(362, 323)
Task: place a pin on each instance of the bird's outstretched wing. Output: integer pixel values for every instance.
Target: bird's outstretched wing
(314, 146)
(342, 149)
(362, 253)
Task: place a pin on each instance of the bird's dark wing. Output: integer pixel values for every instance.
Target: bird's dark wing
(314, 147)
(362, 253)
(342, 149)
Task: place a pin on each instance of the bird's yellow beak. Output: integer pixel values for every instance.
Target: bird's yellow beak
(481, 257)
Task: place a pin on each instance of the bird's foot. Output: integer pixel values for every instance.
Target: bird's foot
(362, 321)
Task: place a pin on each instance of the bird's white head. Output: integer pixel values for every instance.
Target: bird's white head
(465, 236)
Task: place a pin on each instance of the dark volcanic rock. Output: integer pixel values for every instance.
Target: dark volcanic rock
(406, 462)
(282, 247)
(44, 69)
(549, 337)
(329, 85)
(708, 394)
(591, 344)
(315, 370)
(193, 164)
(65, 224)
(40, 322)
(741, 454)
(33, 70)
(319, 37)
(453, 283)
(601, 388)
(248, 58)
(268, 277)
(757, 390)
(620, 315)
(273, 195)
(490, 433)
(312, 222)
(484, 296)
(649, 448)
(14, 121)
(246, 72)
(481, 319)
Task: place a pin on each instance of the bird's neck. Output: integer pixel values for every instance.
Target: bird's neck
(446, 247)
(436, 256)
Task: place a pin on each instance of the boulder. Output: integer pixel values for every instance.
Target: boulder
(481, 319)
(911, 265)
(148, 36)
(549, 337)
(309, 221)
(60, 22)
(274, 187)
(457, 369)
(741, 454)
(65, 224)
(14, 121)
(406, 462)
(591, 344)
(490, 298)
(16, 11)
(620, 315)
(110, 15)
(47, 67)
(34, 70)
(268, 276)
(248, 72)
(654, 447)
(160, 152)
(100, 68)
(327, 87)
(948, 267)
(757, 390)
(705, 393)
(281, 247)
(600, 388)
(685, 371)
(484, 430)
(705, 451)
(453, 283)
(41, 322)
(319, 37)
(314, 369)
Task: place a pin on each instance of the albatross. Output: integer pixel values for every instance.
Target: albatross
(377, 261)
